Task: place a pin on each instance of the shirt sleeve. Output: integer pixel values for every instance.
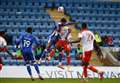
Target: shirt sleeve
(4, 42)
(18, 41)
(36, 40)
(69, 23)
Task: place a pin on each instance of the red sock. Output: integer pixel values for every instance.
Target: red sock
(84, 71)
(0, 66)
(52, 52)
(68, 59)
(92, 69)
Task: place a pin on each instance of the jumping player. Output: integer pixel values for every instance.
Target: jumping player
(87, 38)
(62, 43)
(60, 29)
(27, 41)
(53, 38)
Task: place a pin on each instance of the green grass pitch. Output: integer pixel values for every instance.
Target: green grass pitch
(23, 80)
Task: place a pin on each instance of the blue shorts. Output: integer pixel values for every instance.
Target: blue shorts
(28, 56)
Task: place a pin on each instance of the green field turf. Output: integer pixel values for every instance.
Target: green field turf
(21, 80)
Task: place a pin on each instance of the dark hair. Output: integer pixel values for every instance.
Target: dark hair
(84, 25)
(29, 30)
(63, 20)
(2, 33)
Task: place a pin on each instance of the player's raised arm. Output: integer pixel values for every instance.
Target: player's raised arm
(36, 40)
(76, 41)
(65, 23)
(71, 23)
(19, 40)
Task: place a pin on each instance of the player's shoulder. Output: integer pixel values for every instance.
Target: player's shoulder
(23, 33)
(2, 39)
(87, 31)
(90, 31)
(33, 37)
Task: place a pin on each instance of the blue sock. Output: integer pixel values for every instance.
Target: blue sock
(29, 70)
(37, 68)
(60, 57)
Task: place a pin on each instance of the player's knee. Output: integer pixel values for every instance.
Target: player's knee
(67, 51)
(85, 63)
(27, 62)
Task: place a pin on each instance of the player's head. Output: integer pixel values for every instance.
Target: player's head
(84, 26)
(29, 30)
(63, 20)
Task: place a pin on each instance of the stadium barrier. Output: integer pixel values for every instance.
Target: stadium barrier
(55, 72)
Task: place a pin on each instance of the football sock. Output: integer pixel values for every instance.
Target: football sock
(92, 69)
(84, 71)
(60, 57)
(29, 70)
(52, 52)
(68, 59)
(37, 68)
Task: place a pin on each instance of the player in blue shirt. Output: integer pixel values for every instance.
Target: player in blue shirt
(53, 38)
(27, 41)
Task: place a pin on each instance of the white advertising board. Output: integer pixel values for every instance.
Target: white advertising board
(55, 72)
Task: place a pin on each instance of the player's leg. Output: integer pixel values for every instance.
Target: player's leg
(92, 68)
(67, 49)
(85, 65)
(59, 46)
(60, 57)
(29, 70)
(46, 49)
(38, 72)
(36, 66)
(27, 62)
(85, 62)
(52, 52)
(0, 67)
(84, 78)
(4, 49)
(1, 64)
